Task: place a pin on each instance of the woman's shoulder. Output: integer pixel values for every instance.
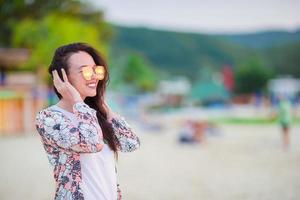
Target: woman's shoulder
(49, 111)
(50, 108)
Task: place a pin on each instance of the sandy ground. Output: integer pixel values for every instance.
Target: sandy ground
(245, 162)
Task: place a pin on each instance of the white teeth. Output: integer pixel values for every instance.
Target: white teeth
(92, 85)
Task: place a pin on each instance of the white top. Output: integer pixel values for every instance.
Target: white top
(99, 178)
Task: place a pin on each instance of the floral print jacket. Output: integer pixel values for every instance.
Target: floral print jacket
(64, 142)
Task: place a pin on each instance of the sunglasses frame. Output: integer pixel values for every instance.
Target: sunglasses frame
(88, 69)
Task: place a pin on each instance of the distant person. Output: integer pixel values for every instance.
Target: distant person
(285, 119)
(81, 135)
(187, 132)
(193, 131)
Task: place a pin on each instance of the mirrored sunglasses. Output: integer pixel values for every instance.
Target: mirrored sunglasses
(87, 72)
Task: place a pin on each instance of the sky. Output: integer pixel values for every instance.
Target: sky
(207, 16)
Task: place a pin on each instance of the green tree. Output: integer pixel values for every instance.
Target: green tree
(13, 11)
(252, 77)
(139, 73)
(285, 59)
(43, 36)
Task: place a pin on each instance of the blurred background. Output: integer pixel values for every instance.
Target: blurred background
(207, 86)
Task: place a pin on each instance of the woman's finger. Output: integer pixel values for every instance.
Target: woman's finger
(64, 75)
(54, 74)
(56, 80)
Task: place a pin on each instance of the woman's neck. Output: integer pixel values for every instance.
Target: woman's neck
(65, 105)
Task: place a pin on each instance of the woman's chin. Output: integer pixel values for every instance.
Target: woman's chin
(91, 94)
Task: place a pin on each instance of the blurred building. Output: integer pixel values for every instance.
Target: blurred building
(19, 99)
(172, 92)
(285, 86)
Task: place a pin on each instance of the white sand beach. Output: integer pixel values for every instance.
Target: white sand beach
(245, 162)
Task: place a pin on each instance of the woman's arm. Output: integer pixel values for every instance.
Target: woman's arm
(57, 131)
(125, 138)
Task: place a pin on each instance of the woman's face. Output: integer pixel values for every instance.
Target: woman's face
(86, 88)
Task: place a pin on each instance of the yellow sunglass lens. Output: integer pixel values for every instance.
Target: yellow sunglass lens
(99, 70)
(87, 69)
(100, 76)
(87, 77)
(87, 72)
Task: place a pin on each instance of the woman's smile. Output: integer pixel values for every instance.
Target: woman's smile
(92, 85)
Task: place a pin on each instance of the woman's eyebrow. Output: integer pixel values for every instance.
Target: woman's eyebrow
(85, 66)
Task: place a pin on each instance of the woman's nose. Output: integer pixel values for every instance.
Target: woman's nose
(94, 76)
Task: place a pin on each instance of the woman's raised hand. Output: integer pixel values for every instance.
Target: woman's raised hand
(65, 88)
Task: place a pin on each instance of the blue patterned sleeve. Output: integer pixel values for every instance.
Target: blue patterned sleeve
(56, 130)
(125, 138)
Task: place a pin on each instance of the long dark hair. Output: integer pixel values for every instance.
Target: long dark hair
(60, 60)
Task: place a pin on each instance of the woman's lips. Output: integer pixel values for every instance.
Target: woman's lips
(92, 85)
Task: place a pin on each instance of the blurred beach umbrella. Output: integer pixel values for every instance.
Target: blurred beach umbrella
(208, 91)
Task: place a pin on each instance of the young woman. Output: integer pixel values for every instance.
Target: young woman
(80, 134)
